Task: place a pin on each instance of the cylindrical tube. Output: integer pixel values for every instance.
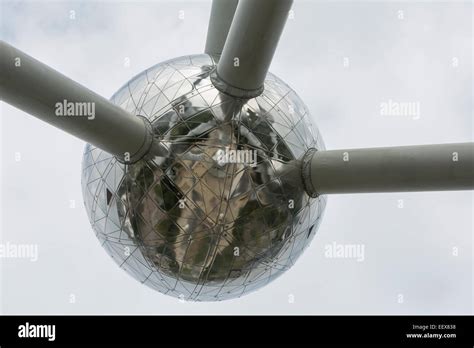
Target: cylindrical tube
(222, 14)
(250, 45)
(52, 97)
(390, 169)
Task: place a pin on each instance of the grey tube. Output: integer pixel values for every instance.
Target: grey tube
(39, 90)
(250, 45)
(390, 169)
(222, 13)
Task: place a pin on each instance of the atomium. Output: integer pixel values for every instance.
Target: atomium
(193, 222)
(204, 177)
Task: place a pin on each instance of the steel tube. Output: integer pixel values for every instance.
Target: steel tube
(50, 96)
(222, 14)
(250, 45)
(390, 169)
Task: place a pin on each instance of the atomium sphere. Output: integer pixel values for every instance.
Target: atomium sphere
(215, 214)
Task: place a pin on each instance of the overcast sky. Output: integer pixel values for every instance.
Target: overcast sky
(344, 59)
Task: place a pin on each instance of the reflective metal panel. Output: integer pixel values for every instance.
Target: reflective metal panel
(216, 214)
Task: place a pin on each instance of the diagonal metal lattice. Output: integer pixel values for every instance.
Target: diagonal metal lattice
(191, 225)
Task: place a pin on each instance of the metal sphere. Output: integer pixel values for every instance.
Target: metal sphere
(215, 214)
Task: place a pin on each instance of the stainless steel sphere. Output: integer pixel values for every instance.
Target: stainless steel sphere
(218, 213)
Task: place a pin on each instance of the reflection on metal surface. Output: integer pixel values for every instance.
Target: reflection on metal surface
(216, 213)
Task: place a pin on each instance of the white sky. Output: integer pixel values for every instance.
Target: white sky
(408, 251)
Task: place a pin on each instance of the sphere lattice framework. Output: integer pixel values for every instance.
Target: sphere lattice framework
(213, 216)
